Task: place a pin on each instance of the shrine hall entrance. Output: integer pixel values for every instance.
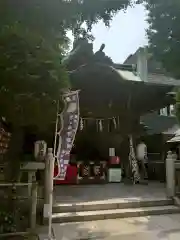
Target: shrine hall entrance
(103, 157)
(95, 158)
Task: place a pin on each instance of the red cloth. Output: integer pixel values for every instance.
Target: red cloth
(71, 175)
(114, 160)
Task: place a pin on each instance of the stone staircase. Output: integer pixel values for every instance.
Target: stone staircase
(99, 210)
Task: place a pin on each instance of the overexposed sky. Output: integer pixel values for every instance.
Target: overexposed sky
(126, 34)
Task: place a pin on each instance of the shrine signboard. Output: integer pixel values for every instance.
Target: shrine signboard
(114, 175)
(91, 172)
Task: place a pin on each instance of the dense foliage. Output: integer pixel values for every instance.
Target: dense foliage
(31, 77)
(164, 36)
(164, 33)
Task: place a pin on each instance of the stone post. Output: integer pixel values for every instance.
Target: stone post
(49, 172)
(170, 174)
(33, 205)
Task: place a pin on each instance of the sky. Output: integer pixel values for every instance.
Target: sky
(126, 34)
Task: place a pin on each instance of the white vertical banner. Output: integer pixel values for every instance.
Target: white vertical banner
(69, 125)
(133, 161)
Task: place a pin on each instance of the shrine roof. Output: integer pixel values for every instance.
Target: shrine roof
(156, 73)
(160, 124)
(103, 85)
(163, 79)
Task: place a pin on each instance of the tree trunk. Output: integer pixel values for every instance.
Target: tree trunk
(124, 153)
(14, 155)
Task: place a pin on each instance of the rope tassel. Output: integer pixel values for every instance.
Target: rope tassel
(81, 124)
(100, 126)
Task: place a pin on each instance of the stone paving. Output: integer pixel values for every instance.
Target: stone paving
(165, 227)
(108, 192)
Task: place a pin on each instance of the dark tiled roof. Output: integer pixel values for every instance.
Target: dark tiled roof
(162, 79)
(158, 124)
(156, 73)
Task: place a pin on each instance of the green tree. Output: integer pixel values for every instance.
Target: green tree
(164, 33)
(31, 77)
(31, 80)
(164, 37)
(58, 16)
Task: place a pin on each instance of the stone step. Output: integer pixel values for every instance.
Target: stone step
(109, 205)
(113, 214)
